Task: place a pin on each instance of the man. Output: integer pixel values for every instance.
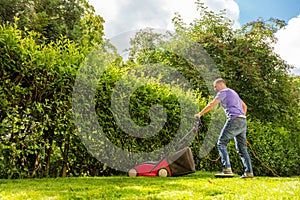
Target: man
(235, 127)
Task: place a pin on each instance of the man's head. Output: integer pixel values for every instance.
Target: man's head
(219, 84)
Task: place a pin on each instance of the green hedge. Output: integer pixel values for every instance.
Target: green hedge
(35, 119)
(38, 136)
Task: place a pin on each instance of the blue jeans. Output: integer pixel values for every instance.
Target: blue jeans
(234, 128)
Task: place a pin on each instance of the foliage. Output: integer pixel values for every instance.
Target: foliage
(141, 102)
(52, 19)
(276, 146)
(195, 186)
(179, 51)
(136, 95)
(245, 58)
(36, 85)
(38, 137)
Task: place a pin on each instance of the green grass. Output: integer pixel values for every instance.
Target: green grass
(200, 185)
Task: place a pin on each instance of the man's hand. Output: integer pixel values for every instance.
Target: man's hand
(208, 108)
(197, 116)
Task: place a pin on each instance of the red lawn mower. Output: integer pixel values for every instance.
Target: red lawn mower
(180, 163)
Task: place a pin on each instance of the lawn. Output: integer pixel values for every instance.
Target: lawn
(200, 185)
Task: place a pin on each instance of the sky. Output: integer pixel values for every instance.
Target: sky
(127, 15)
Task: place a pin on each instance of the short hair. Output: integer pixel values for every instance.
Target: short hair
(219, 80)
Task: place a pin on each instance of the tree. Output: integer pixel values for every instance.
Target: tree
(53, 18)
(9, 9)
(43, 45)
(246, 59)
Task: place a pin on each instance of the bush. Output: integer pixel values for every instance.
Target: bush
(276, 146)
(138, 103)
(37, 133)
(36, 85)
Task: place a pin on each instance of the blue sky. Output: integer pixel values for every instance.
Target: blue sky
(288, 46)
(251, 10)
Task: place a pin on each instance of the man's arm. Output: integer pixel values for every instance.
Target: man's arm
(244, 107)
(208, 108)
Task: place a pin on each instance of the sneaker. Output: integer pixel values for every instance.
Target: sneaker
(247, 175)
(225, 173)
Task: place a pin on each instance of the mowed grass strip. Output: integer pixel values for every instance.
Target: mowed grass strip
(200, 185)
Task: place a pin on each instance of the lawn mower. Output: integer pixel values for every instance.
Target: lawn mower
(178, 164)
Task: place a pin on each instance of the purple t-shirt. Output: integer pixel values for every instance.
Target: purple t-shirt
(231, 103)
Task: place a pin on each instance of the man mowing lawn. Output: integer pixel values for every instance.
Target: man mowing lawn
(235, 127)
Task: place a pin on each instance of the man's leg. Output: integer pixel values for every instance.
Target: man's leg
(240, 141)
(224, 138)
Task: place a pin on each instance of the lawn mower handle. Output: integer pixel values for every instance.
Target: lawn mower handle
(197, 124)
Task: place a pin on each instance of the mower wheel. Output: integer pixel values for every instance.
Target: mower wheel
(132, 173)
(162, 172)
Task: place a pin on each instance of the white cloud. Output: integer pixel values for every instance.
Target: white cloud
(188, 9)
(288, 45)
(232, 9)
(127, 15)
(107, 10)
